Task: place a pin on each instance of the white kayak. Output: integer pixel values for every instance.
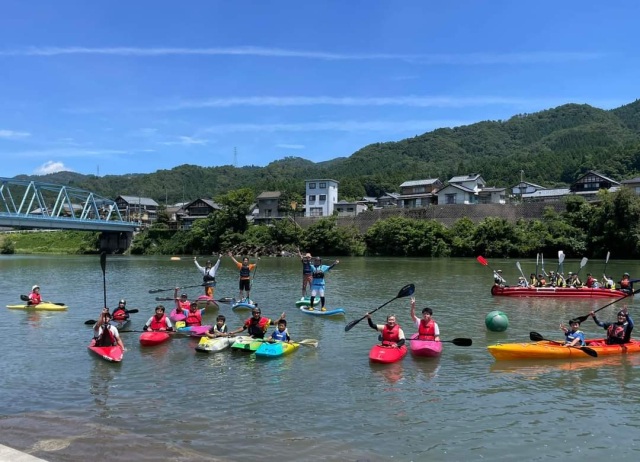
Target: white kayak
(213, 345)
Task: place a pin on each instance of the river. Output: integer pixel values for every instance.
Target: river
(327, 403)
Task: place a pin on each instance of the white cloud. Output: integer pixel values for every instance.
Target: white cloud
(51, 167)
(290, 146)
(13, 135)
(186, 141)
(426, 58)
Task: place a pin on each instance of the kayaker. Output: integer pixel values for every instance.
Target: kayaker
(281, 334)
(573, 280)
(208, 275)
(626, 284)
(245, 277)
(573, 336)
(34, 297)
(181, 311)
(306, 273)
(120, 313)
(392, 333)
(159, 321)
(318, 270)
(194, 316)
(618, 332)
(427, 328)
(104, 333)
(219, 329)
(256, 325)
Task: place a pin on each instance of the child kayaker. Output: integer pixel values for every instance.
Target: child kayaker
(159, 321)
(219, 329)
(194, 317)
(573, 336)
(280, 334)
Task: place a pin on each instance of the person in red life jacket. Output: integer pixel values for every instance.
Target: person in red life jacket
(626, 285)
(618, 332)
(245, 277)
(120, 313)
(392, 334)
(159, 321)
(590, 281)
(105, 334)
(427, 328)
(208, 275)
(256, 326)
(181, 311)
(194, 316)
(34, 297)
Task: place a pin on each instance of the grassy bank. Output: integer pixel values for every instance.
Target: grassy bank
(51, 242)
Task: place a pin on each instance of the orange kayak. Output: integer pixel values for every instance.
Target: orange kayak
(556, 350)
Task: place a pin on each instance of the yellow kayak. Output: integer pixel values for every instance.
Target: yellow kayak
(44, 306)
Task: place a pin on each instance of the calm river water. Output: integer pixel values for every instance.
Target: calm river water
(170, 403)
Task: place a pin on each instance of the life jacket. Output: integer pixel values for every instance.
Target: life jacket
(157, 324)
(222, 330)
(615, 333)
(184, 305)
(35, 298)
(207, 276)
(306, 267)
(257, 329)
(277, 335)
(625, 284)
(571, 336)
(390, 335)
(427, 331)
(318, 273)
(120, 314)
(590, 281)
(194, 318)
(106, 337)
(245, 272)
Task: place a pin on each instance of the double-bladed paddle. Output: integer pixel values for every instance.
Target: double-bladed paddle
(586, 316)
(407, 290)
(464, 342)
(222, 300)
(25, 298)
(155, 291)
(536, 337)
(89, 322)
(103, 265)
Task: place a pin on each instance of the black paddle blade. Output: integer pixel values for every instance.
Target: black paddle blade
(164, 299)
(465, 342)
(103, 261)
(581, 319)
(589, 351)
(90, 322)
(536, 337)
(225, 300)
(407, 290)
(24, 298)
(135, 310)
(350, 326)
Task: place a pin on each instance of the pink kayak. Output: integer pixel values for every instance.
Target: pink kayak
(153, 338)
(112, 354)
(205, 301)
(425, 348)
(194, 331)
(387, 354)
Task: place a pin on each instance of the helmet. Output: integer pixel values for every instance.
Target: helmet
(626, 274)
(621, 313)
(35, 287)
(122, 302)
(183, 296)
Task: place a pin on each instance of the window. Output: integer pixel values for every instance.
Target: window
(450, 198)
(323, 197)
(322, 185)
(312, 186)
(315, 211)
(312, 198)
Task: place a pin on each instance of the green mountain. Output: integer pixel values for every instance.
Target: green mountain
(550, 148)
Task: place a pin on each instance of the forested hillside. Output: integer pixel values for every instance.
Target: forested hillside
(551, 147)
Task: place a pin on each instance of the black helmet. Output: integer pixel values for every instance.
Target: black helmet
(122, 302)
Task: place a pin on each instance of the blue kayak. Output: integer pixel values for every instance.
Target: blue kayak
(276, 349)
(319, 312)
(243, 304)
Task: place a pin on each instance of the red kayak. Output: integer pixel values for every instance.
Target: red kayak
(556, 292)
(113, 354)
(425, 348)
(153, 338)
(387, 354)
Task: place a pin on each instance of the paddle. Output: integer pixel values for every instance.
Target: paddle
(407, 290)
(465, 342)
(537, 261)
(544, 273)
(310, 342)
(586, 316)
(536, 337)
(155, 291)
(520, 269)
(103, 265)
(25, 298)
(560, 261)
(583, 262)
(605, 263)
(170, 299)
(483, 261)
(93, 321)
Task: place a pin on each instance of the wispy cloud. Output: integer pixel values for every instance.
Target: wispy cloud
(51, 167)
(382, 126)
(290, 146)
(13, 135)
(186, 141)
(427, 58)
(71, 152)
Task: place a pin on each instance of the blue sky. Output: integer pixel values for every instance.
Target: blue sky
(117, 87)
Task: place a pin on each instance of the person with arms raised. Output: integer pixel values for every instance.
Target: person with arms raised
(318, 271)
(573, 336)
(391, 333)
(208, 275)
(427, 328)
(245, 277)
(618, 332)
(104, 333)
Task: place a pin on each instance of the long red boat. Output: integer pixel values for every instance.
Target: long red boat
(556, 292)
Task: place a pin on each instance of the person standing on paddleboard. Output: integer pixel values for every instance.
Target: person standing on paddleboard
(208, 275)
(392, 333)
(318, 270)
(307, 276)
(245, 277)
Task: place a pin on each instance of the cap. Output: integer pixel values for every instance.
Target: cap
(498, 271)
(183, 296)
(521, 277)
(570, 273)
(35, 287)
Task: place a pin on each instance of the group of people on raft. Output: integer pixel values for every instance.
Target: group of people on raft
(557, 279)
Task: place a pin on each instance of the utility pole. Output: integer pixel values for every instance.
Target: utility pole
(235, 157)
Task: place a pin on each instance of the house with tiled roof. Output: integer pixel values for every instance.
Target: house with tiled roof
(418, 193)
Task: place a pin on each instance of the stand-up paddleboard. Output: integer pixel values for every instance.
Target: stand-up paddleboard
(205, 301)
(243, 304)
(319, 312)
(306, 301)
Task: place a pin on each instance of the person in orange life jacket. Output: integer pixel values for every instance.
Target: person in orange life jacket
(573, 336)
(181, 311)
(427, 328)
(104, 333)
(618, 332)
(208, 275)
(121, 313)
(159, 321)
(245, 277)
(281, 334)
(306, 273)
(194, 317)
(34, 297)
(318, 270)
(219, 329)
(256, 325)
(626, 284)
(392, 334)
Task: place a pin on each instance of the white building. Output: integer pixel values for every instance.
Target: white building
(321, 196)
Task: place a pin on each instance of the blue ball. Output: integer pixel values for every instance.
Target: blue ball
(496, 321)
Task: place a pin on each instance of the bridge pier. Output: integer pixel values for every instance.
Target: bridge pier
(115, 242)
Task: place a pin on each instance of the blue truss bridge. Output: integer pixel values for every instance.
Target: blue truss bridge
(35, 205)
